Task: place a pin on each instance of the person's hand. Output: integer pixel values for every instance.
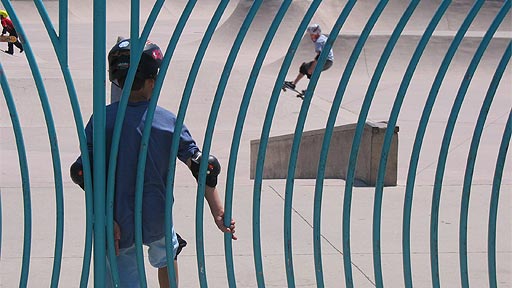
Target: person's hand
(117, 237)
(219, 221)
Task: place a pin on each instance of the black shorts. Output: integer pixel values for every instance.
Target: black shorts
(327, 65)
(305, 67)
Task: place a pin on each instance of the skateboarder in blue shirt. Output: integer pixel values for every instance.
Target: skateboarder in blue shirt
(315, 33)
(158, 156)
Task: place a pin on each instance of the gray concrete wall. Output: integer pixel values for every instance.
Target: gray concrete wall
(279, 147)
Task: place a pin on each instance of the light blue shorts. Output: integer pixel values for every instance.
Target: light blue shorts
(127, 262)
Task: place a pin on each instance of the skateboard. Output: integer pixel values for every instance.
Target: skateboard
(300, 94)
(11, 39)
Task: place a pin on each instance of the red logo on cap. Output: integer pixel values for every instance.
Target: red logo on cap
(157, 54)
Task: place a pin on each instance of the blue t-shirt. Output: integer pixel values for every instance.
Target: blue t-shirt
(319, 46)
(157, 164)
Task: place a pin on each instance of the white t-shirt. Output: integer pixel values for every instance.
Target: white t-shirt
(319, 45)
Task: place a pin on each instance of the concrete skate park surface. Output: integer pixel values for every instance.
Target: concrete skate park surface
(81, 38)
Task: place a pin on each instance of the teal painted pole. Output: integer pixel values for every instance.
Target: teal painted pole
(493, 210)
(377, 254)
(411, 175)
(347, 200)
(394, 116)
(158, 86)
(266, 132)
(135, 52)
(333, 35)
(466, 191)
(475, 141)
(169, 200)
(63, 28)
(59, 43)
(99, 70)
(25, 179)
(235, 144)
(335, 107)
(443, 154)
(52, 135)
(317, 206)
(137, 46)
(147, 131)
(208, 139)
(184, 105)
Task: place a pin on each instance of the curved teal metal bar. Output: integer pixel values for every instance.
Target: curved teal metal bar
(137, 44)
(63, 27)
(450, 126)
(60, 41)
(182, 112)
(493, 209)
(158, 86)
(333, 35)
(466, 189)
(235, 144)
(335, 107)
(25, 179)
(377, 261)
(258, 178)
(60, 46)
(379, 187)
(347, 200)
(173, 42)
(317, 206)
(209, 135)
(54, 147)
(468, 175)
(98, 77)
(406, 233)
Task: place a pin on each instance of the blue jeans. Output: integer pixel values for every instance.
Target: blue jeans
(127, 262)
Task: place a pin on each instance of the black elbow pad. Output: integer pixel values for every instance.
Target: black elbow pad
(212, 171)
(76, 172)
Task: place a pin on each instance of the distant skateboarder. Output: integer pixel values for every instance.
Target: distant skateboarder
(315, 32)
(9, 27)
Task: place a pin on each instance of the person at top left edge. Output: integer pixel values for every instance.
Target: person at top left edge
(8, 27)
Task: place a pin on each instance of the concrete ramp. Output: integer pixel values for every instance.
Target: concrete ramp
(228, 30)
(279, 147)
(329, 11)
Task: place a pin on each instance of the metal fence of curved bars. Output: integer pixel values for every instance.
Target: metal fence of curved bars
(439, 70)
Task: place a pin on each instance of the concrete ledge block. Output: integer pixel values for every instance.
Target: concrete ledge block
(278, 155)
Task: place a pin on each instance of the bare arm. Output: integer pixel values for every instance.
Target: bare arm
(216, 208)
(212, 197)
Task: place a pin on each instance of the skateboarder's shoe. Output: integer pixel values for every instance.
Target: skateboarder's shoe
(289, 84)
